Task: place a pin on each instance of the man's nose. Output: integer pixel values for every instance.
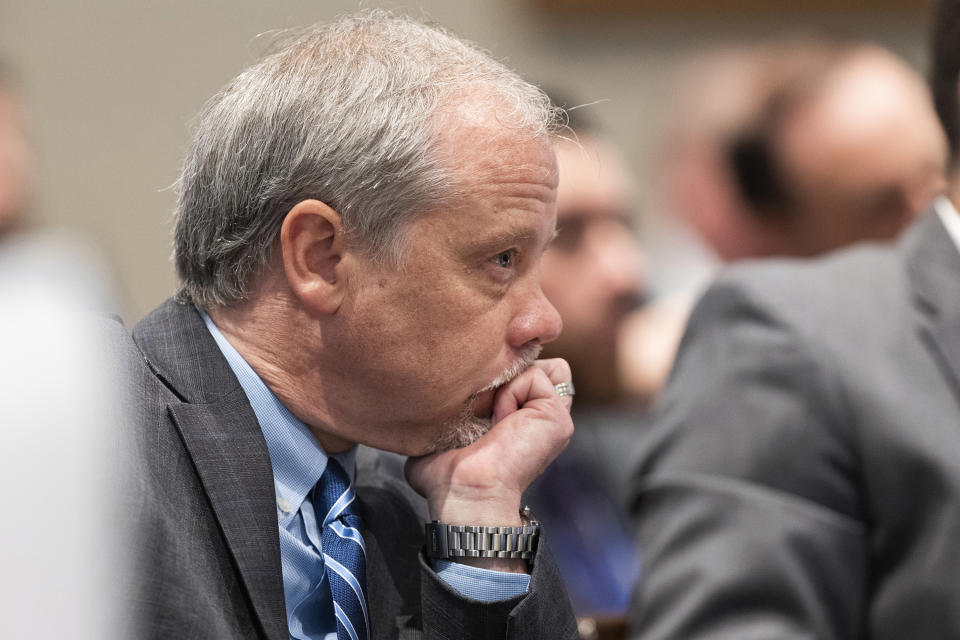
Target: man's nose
(538, 322)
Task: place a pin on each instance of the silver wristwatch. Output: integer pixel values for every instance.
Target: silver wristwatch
(451, 541)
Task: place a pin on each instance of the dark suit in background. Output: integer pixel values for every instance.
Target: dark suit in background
(205, 504)
(803, 477)
(579, 500)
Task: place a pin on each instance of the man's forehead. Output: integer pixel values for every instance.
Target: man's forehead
(498, 156)
(477, 141)
(495, 216)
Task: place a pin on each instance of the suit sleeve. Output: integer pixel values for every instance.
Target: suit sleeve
(543, 612)
(410, 601)
(746, 487)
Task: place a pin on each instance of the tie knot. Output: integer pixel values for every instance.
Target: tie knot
(334, 493)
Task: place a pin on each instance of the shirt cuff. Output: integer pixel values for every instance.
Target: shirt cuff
(482, 584)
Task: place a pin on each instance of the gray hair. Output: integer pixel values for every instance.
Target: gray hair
(344, 113)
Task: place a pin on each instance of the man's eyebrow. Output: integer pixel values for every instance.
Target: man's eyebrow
(520, 234)
(498, 240)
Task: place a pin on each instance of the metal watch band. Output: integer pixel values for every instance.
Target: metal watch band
(446, 541)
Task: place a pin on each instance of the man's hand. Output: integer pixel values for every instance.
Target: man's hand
(483, 483)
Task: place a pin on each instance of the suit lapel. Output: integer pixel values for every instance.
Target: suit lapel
(933, 264)
(224, 440)
(234, 467)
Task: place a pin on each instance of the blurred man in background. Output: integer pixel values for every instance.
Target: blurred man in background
(594, 272)
(17, 162)
(594, 275)
(848, 148)
(824, 144)
(801, 480)
(790, 150)
(50, 262)
(56, 436)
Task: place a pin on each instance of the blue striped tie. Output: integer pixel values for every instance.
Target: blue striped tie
(344, 554)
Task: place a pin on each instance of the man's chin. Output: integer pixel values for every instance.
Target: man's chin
(461, 432)
(477, 416)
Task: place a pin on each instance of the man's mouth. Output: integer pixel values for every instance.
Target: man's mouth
(482, 405)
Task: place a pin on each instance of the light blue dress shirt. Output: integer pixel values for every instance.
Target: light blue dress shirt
(298, 462)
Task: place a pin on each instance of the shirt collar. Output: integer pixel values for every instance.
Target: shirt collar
(297, 458)
(949, 217)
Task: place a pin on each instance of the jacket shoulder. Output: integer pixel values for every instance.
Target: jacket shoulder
(860, 293)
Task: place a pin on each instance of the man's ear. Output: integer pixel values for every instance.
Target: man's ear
(312, 244)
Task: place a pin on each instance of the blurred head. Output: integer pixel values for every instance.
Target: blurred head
(717, 94)
(841, 145)
(375, 197)
(855, 153)
(16, 158)
(593, 271)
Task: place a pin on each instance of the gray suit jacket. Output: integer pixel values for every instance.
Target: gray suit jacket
(803, 476)
(204, 507)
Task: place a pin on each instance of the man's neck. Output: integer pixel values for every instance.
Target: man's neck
(286, 368)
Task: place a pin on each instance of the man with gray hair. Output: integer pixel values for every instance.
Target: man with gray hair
(360, 221)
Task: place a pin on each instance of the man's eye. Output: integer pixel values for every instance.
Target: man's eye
(504, 259)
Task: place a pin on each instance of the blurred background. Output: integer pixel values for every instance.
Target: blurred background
(709, 131)
(110, 87)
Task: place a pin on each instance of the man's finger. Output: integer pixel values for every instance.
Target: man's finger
(559, 372)
(532, 384)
